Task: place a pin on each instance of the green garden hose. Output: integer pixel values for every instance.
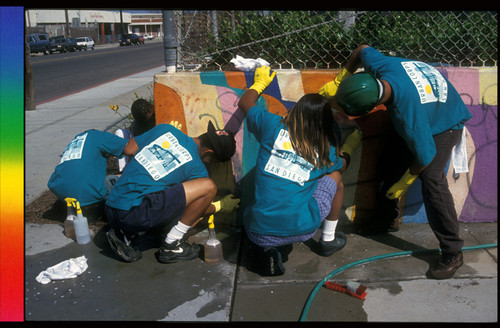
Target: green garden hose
(372, 259)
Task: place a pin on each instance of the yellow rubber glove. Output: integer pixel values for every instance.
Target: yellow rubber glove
(226, 204)
(262, 79)
(330, 89)
(176, 124)
(401, 187)
(352, 142)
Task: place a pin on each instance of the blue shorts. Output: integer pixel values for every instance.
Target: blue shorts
(324, 193)
(157, 210)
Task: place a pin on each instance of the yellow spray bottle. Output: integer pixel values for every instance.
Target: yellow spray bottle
(69, 227)
(81, 226)
(213, 247)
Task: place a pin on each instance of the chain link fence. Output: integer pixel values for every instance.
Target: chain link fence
(208, 40)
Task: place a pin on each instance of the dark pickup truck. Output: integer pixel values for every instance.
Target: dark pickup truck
(39, 42)
(62, 44)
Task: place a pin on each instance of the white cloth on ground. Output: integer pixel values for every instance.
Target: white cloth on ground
(65, 270)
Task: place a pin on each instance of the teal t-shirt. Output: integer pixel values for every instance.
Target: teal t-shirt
(166, 157)
(82, 169)
(284, 181)
(425, 102)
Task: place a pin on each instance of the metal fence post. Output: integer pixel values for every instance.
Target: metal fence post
(169, 41)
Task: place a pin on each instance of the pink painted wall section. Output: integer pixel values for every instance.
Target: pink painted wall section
(194, 98)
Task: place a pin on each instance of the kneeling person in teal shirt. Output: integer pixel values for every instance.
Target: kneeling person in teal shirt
(298, 183)
(165, 187)
(81, 172)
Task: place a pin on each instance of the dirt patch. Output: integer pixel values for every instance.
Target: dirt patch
(48, 209)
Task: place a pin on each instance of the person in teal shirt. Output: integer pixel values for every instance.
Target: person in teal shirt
(427, 116)
(165, 189)
(81, 172)
(298, 183)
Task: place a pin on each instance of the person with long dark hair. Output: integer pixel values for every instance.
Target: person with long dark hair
(298, 183)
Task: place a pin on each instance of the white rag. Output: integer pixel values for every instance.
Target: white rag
(248, 64)
(459, 155)
(66, 269)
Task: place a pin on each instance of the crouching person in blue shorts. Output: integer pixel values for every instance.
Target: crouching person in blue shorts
(165, 187)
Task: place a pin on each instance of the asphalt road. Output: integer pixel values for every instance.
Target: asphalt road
(60, 74)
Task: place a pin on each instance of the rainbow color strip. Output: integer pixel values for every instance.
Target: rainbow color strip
(11, 164)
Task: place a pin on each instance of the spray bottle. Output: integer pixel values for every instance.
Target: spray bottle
(69, 228)
(81, 226)
(213, 247)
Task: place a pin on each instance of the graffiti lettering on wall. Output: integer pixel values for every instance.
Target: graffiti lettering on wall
(195, 98)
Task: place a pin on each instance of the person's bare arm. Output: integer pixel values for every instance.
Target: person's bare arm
(131, 148)
(248, 100)
(354, 62)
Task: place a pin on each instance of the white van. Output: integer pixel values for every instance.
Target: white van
(85, 43)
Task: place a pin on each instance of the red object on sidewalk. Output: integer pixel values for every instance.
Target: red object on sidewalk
(352, 289)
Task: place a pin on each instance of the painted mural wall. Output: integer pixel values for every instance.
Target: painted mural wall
(194, 98)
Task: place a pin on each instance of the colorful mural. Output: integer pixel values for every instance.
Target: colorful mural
(195, 98)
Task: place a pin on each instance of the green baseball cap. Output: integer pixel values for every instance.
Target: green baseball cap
(359, 94)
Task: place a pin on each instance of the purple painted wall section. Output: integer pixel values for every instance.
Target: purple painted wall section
(481, 204)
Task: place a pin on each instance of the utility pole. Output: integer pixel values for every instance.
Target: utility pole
(68, 32)
(121, 23)
(29, 90)
(169, 41)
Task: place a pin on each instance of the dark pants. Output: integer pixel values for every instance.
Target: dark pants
(438, 201)
(157, 212)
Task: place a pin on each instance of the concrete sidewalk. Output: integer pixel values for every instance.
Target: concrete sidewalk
(147, 290)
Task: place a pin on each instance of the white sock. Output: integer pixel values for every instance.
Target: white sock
(328, 233)
(177, 232)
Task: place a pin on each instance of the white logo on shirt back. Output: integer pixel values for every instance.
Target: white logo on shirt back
(163, 156)
(285, 163)
(431, 85)
(75, 148)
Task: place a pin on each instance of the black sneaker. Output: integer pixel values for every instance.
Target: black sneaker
(327, 248)
(122, 248)
(272, 264)
(178, 251)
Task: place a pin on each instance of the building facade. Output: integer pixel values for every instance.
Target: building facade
(104, 26)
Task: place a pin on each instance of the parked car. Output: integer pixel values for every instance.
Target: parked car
(39, 42)
(148, 37)
(130, 39)
(85, 43)
(62, 44)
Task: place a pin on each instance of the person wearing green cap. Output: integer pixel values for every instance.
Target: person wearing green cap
(427, 116)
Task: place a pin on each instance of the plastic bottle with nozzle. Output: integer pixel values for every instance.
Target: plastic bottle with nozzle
(213, 246)
(69, 227)
(81, 226)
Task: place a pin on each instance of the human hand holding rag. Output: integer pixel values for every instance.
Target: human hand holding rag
(226, 204)
(330, 89)
(401, 187)
(262, 79)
